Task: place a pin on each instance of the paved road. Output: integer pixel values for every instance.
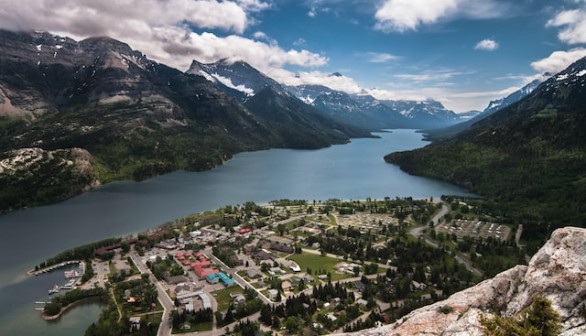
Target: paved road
(335, 256)
(235, 276)
(417, 232)
(164, 299)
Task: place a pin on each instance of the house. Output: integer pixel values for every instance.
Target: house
(253, 274)
(272, 293)
(205, 299)
(295, 280)
(264, 255)
(226, 280)
(286, 285)
(244, 230)
(359, 286)
(282, 248)
(332, 317)
(174, 280)
(361, 302)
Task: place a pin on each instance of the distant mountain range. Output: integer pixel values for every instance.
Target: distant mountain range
(468, 119)
(130, 116)
(529, 155)
(242, 81)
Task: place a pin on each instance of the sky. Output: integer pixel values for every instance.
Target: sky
(462, 53)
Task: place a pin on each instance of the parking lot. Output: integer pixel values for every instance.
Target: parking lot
(475, 229)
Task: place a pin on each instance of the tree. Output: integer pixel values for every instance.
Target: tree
(266, 315)
(539, 319)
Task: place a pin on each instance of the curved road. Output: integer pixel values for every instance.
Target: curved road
(417, 232)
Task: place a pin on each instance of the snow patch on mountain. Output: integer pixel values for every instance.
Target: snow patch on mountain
(228, 82)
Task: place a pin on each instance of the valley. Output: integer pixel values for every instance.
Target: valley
(262, 167)
(329, 256)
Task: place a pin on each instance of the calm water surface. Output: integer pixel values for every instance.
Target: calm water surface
(353, 171)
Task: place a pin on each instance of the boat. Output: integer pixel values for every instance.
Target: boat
(72, 274)
(54, 290)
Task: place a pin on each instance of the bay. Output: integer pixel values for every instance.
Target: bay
(352, 171)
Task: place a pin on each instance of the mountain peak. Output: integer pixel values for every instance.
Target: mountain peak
(335, 74)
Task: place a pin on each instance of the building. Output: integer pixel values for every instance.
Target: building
(244, 230)
(220, 276)
(253, 274)
(282, 248)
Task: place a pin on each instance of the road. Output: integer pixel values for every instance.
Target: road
(235, 276)
(164, 299)
(417, 232)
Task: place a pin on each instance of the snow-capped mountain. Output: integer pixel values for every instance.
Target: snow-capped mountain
(238, 78)
(424, 114)
(362, 111)
(308, 93)
(514, 97)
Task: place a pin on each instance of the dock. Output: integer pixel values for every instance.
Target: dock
(54, 267)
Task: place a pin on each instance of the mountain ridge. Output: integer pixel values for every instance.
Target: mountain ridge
(135, 117)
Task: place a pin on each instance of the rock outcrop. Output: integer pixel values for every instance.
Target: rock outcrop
(556, 272)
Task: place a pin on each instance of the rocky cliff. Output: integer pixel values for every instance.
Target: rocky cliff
(556, 272)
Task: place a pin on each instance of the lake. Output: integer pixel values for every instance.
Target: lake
(352, 171)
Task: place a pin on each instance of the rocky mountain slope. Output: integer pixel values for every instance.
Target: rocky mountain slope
(137, 118)
(556, 272)
(530, 156)
(295, 123)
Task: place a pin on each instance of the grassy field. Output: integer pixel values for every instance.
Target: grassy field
(223, 297)
(206, 326)
(318, 262)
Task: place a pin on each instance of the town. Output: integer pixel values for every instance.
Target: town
(289, 267)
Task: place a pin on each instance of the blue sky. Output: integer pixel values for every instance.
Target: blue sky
(461, 52)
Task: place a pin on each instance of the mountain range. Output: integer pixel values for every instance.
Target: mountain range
(242, 81)
(134, 117)
(74, 114)
(530, 157)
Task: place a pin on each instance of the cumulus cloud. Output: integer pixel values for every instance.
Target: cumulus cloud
(558, 60)
(162, 29)
(405, 15)
(340, 83)
(487, 45)
(87, 17)
(573, 24)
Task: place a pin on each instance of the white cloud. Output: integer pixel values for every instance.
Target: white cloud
(487, 44)
(573, 24)
(161, 29)
(404, 15)
(441, 75)
(381, 57)
(299, 42)
(454, 100)
(340, 83)
(261, 36)
(558, 60)
(87, 17)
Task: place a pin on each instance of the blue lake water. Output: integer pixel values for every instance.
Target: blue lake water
(352, 171)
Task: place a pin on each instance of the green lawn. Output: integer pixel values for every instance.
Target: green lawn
(206, 326)
(223, 297)
(318, 262)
